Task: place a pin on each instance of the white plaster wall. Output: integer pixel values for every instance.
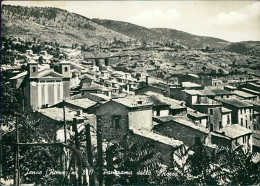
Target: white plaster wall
(140, 119)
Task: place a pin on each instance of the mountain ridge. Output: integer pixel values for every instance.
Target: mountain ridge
(64, 27)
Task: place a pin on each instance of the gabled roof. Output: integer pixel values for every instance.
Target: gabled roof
(57, 113)
(159, 99)
(234, 131)
(91, 86)
(180, 120)
(49, 73)
(157, 137)
(82, 102)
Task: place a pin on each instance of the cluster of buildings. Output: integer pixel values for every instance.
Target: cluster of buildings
(192, 111)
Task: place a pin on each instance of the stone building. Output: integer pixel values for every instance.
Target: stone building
(242, 113)
(233, 136)
(45, 88)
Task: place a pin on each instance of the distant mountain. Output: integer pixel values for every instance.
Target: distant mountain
(53, 24)
(66, 28)
(190, 40)
(161, 34)
(247, 48)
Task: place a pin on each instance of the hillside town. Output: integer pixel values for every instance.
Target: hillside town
(92, 101)
(72, 87)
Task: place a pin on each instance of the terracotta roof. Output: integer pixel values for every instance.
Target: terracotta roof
(234, 131)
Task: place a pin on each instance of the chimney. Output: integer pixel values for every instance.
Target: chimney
(147, 80)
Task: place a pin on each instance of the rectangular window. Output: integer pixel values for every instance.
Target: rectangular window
(241, 111)
(227, 96)
(116, 121)
(244, 139)
(220, 124)
(228, 119)
(158, 112)
(241, 121)
(250, 118)
(250, 110)
(211, 111)
(246, 123)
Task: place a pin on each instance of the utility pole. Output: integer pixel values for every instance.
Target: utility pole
(64, 119)
(1, 155)
(100, 153)
(77, 145)
(90, 154)
(16, 155)
(65, 139)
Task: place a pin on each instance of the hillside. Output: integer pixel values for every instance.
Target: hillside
(247, 48)
(161, 34)
(190, 40)
(53, 24)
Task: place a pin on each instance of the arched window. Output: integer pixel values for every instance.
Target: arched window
(66, 69)
(34, 69)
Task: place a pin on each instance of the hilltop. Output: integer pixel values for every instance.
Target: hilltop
(161, 35)
(66, 28)
(55, 25)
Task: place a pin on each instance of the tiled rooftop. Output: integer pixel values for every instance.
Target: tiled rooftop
(236, 102)
(82, 102)
(221, 92)
(195, 114)
(134, 101)
(158, 137)
(251, 91)
(57, 113)
(181, 120)
(189, 84)
(243, 94)
(159, 99)
(234, 131)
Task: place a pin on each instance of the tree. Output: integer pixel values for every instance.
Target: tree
(221, 71)
(204, 69)
(141, 159)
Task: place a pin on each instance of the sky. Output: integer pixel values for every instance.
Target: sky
(229, 20)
